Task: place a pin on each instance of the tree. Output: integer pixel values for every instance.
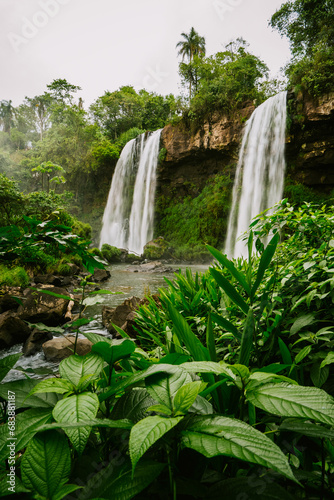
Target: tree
(192, 45)
(41, 107)
(62, 91)
(309, 26)
(6, 115)
(48, 168)
(306, 23)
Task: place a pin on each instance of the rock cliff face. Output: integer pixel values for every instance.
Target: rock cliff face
(191, 158)
(310, 141)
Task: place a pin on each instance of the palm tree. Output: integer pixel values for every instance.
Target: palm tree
(192, 45)
(6, 115)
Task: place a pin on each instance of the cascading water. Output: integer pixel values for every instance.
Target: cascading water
(129, 213)
(259, 178)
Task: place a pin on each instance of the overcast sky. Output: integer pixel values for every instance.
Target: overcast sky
(103, 44)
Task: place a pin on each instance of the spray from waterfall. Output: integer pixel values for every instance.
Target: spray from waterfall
(129, 214)
(259, 178)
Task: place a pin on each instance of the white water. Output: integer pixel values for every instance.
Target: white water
(129, 213)
(259, 178)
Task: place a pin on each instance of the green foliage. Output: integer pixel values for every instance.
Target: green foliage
(16, 276)
(192, 222)
(308, 24)
(224, 81)
(110, 253)
(41, 244)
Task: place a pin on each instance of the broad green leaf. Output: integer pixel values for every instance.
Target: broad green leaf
(217, 435)
(240, 370)
(142, 375)
(160, 409)
(114, 483)
(222, 259)
(227, 325)
(229, 290)
(174, 358)
(187, 336)
(209, 367)
(163, 387)
(22, 388)
(319, 375)
(257, 378)
(95, 337)
(265, 260)
(94, 422)
(74, 409)
(59, 385)
(146, 432)
(201, 406)
(329, 359)
(119, 350)
(287, 400)
(133, 405)
(79, 322)
(27, 424)
(186, 396)
(46, 464)
(76, 367)
(7, 363)
(247, 339)
(307, 429)
(301, 322)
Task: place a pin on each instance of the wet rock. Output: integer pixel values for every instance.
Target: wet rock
(150, 267)
(47, 279)
(120, 314)
(40, 307)
(12, 330)
(35, 341)
(62, 347)
(101, 275)
(8, 303)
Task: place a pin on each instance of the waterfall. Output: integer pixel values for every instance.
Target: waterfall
(129, 213)
(259, 178)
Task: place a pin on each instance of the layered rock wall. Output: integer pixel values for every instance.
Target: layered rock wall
(192, 157)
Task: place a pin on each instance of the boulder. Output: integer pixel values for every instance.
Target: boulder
(34, 342)
(47, 279)
(8, 303)
(40, 307)
(101, 275)
(120, 314)
(13, 330)
(156, 249)
(62, 347)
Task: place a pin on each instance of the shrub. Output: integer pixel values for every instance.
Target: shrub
(110, 253)
(16, 276)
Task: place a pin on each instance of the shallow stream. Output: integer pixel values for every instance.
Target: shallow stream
(125, 284)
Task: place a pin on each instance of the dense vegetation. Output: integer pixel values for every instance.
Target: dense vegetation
(229, 386)
(308, 24)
